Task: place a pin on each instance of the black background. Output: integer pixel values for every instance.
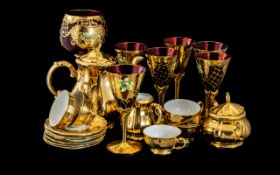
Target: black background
(143, 21)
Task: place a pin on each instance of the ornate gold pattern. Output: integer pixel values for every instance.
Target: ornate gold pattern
(162, 71)
(126, 100)
(85, 32)
(212, 70)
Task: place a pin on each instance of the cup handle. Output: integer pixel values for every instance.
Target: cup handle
(56, 65)
(158, 111)
(182, 141)
(137, 59)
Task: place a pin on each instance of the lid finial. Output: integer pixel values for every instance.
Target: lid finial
(227, 97)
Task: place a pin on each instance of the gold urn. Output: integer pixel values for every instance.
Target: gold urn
(227, 125)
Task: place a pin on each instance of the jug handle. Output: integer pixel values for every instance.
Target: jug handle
(58, 64)
(137, 59)
(158, 111)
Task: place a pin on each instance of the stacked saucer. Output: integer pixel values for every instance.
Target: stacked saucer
(76, 137)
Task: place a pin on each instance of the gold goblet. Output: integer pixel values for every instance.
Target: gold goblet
(212, 67)
(82, 30)
(183, 46)
(130, 52)
(125, 81)
(162, 63)
(210, 46)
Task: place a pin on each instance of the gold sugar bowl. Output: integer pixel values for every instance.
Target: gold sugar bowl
(227, 125)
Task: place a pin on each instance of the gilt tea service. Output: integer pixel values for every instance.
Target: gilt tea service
(111, 85)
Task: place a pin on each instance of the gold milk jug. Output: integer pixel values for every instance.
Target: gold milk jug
(143, 114)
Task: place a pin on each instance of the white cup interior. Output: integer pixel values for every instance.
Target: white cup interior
(162, 131)
(59, 108)
(143, 96)
(182, 107)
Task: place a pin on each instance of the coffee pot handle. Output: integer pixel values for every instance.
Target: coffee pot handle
(56, 65)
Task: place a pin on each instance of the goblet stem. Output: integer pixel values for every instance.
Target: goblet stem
(210, 101)
(161, 94)
(177, 80)
(124, 125)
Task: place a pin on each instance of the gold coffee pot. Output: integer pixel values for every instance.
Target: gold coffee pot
(227, 126)
(143, 114)
(91, 81)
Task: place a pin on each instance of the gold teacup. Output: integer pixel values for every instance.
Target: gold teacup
(85, 114)
(70, 110)
(185, 114)
(182, 111)
(163, 138)
(63, 110)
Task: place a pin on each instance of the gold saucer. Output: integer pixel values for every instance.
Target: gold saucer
(73, 146)
(74, 138)
(97, 125)
(72, 143)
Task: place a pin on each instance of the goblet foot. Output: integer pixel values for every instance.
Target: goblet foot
(119, 147)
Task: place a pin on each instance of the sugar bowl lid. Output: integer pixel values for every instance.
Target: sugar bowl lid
(228, 110)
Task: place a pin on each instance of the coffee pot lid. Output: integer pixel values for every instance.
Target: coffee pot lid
(96, 58)
(228, 110)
